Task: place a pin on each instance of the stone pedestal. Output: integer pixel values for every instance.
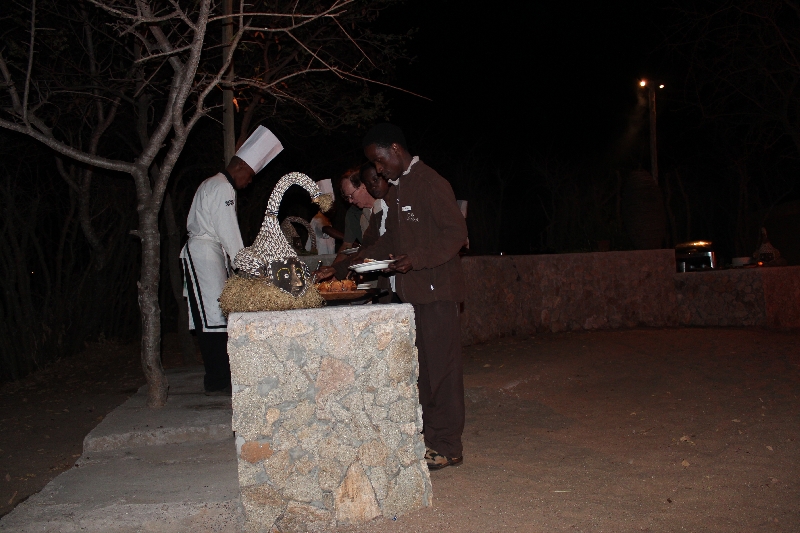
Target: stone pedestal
(327, 416)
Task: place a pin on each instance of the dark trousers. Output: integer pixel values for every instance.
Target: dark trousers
(214, 348)
(441, 376)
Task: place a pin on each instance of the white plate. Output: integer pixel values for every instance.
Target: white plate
(372, 265)
(350, 251)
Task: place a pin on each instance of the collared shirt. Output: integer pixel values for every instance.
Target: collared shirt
(413, 160)
(384, 210)
(355, 223)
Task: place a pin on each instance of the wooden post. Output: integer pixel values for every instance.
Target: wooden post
(653, 145)
(228, 125)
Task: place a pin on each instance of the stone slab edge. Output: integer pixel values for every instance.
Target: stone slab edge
(156, 437)
(33, 515)
(168, 425)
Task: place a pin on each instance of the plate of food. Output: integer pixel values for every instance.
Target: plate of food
(340, 290)
(370, 265)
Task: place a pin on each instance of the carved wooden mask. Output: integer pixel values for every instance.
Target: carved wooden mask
(290, 275)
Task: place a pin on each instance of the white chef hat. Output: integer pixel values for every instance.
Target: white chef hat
(325, 187)
(259, 149)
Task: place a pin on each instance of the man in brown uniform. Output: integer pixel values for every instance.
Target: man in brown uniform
(424, 232)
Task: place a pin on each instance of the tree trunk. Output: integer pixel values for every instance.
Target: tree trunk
(670, 212)
(742, 203)
(148, 305)
(176, 281)
(653, 143)
(643, 211)
(687, 206)
(228, 123)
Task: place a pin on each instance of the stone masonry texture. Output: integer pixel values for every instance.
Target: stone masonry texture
(767, 297)
(327, 417)
(509, 295)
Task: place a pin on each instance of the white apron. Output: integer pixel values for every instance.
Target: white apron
(214, 239)
(206, 268)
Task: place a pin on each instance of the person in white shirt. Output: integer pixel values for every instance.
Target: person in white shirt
(214, 240)
(325, 243)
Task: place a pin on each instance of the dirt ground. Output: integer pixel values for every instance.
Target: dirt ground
(615, 431)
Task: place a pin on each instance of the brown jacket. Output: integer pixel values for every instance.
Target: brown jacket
(425, 223)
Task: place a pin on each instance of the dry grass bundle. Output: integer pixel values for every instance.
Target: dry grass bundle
(242, 295)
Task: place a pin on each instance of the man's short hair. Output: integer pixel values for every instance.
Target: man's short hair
(364, 168)
(384, 135)
(352, 174)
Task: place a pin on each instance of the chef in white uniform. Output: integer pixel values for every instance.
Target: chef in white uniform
(214, 240)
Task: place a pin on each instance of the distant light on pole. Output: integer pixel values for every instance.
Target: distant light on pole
(651, 93)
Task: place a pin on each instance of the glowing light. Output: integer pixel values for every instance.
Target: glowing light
(694, 244)
(661, 86)
(642, 83)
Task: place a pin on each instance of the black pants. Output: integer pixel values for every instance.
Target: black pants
(441, 376)
(214, 348)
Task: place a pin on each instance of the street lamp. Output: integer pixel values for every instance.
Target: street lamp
(651, 93)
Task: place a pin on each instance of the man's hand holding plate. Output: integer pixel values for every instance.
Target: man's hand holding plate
(401, 264)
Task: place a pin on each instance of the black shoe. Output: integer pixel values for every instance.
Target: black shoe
(437, 461)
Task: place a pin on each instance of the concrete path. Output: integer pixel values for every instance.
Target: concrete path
(170, 470)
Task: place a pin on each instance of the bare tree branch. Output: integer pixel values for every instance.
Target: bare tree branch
(30, 63)
(64, 149)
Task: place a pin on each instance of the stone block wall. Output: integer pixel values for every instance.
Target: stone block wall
(508, 295)
(781, 296)
(768, 297)
(723, 298)
(327, 416)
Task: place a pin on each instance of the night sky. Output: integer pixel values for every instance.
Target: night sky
(509, 83)
(557, 76)
(512, 85)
